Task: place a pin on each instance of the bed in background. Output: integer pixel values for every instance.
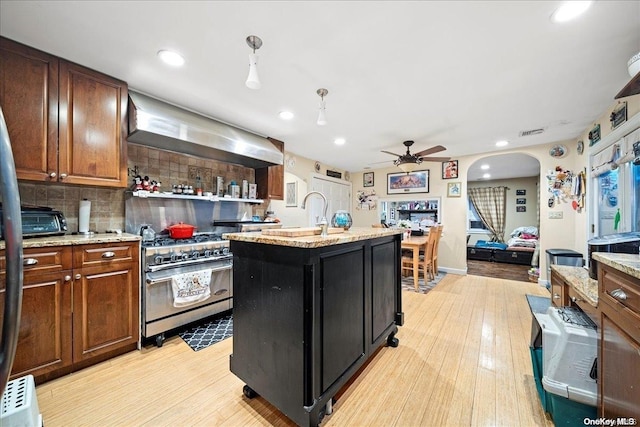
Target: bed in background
(519, 249)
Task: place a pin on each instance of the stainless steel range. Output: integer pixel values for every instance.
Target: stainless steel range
(167, 264)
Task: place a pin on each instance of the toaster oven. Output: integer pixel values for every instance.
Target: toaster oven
(38, 222)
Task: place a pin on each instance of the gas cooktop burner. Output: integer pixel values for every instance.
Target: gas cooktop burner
(164, 240)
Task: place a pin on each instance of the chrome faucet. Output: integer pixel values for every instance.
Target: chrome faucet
(323, 224)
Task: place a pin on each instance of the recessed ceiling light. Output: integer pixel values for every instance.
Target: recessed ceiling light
(339, 141)
(286, 115)
(484, 167)
(569, 10)
(486, 175)
(171, 58)
(502, 143)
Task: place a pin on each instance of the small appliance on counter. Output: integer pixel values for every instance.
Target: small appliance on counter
(39, 221)
(621, 243)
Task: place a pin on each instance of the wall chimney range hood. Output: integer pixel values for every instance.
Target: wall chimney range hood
(157, 124)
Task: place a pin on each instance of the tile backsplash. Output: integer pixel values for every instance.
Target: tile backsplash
(107, 204)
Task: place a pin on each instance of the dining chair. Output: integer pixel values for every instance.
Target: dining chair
(436, 245)
(424, 264)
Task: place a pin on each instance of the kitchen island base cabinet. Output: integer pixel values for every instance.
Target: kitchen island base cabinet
(306, 319)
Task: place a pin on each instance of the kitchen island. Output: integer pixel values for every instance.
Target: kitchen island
(310, 311)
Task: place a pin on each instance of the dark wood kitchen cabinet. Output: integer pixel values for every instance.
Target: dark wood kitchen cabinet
(619, 350)
(270, 180)
(67, 123)
(45, 324)
(80, 307)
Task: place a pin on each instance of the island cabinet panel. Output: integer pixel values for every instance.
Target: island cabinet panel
(342, 287)
(306, 319)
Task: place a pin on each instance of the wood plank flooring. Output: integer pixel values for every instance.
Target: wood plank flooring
(463, 360)
(498, 270)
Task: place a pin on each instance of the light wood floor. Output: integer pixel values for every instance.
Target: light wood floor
(463, 360)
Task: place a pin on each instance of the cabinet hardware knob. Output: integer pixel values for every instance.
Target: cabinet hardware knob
(78, 276)
(619, 294)
(556, 296)
(29, 261)
(67, 278)
(63, 175)
(108, 254)
(53, 175)
(575, 299)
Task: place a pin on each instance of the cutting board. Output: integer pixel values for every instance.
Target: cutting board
(300, 232)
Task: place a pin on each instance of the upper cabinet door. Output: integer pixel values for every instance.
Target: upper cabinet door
(92, 140)
(29, 101)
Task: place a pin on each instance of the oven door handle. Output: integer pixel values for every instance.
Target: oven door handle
(155, 280)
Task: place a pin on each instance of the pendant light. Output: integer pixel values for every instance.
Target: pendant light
(322, 118)
(253, 82)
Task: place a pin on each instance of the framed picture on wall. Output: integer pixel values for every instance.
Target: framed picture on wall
(367, 179)
(521, 192)
(454, 189)
(521, 201)
(521, 208)
(450, 169)
(412, 182)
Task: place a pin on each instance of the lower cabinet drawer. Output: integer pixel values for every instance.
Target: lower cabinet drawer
(92, 255)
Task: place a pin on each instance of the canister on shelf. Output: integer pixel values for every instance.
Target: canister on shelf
(220, 186)
(245, 189)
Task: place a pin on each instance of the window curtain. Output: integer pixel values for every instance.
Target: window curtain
(490, 203)
(616, 155)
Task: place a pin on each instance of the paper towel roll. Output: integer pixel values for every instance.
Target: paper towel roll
(83, 216)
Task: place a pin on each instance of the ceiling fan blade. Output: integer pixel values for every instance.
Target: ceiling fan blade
(431, 150)
(435, 159)
(393, 154)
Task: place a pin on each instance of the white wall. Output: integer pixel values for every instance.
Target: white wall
(300, 172)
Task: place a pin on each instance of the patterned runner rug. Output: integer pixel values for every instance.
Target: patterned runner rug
(204, 335)
(407, 283)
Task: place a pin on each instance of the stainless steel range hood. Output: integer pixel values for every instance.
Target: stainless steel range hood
(157, 124)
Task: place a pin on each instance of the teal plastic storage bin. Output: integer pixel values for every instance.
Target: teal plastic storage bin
(567, 412)
(536, 361)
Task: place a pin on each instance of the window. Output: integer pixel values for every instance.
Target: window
(474, 223)
(617, 186)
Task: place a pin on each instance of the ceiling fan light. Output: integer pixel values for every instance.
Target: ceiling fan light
(253, 81)
(407, 165)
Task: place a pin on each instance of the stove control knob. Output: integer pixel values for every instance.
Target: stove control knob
(225, 250)
(195, 254)
(158, 259)
(207, 253)
(174, 257)
(185, 256)
(216, 251)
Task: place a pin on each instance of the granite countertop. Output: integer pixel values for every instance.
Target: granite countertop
(354, 234)
(578, 278)
(75, 239)
(626, 263)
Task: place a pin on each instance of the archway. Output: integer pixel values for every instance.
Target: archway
(520, 174)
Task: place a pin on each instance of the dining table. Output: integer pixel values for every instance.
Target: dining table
(415, 244)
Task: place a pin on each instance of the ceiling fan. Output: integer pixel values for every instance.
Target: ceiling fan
(409, 162)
